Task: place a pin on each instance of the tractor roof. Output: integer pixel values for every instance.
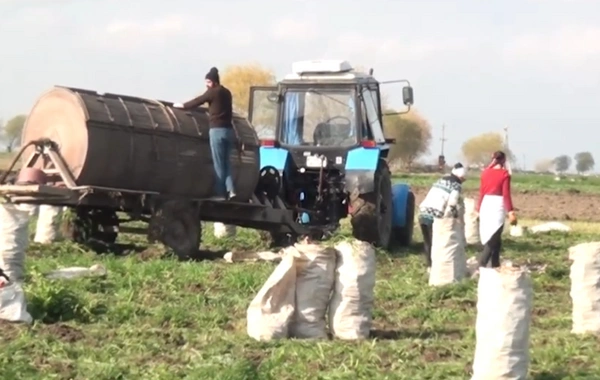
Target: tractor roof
(326, 71)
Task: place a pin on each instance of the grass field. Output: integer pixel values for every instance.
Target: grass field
(153, 317)
(520, 182)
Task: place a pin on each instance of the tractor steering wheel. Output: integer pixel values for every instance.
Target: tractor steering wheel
(348, 121)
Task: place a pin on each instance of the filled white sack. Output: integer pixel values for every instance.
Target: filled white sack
(504, 302)
(315, 271)
(351, 305)
(471, 222)
(448, 257)
(48, 224)
(14, 238)
(222, 231)
(585, 287)
(270, 312)
(13, 306)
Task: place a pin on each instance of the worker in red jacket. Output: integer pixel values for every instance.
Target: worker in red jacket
(494, 203)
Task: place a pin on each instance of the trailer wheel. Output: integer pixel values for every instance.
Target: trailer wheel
(277, 239)
(372, 212)
(402, 236)
(85, 225)
(176, 224)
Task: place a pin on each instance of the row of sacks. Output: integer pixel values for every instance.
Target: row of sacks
(313, 282)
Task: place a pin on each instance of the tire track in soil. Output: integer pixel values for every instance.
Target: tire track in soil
(560, 206)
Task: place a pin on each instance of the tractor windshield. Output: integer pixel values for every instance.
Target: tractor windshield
(316, 117)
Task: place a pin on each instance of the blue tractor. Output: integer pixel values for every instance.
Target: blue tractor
(323, 154)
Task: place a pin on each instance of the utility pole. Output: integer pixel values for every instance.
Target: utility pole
(507, 149)
(443, 139)
(442, 158)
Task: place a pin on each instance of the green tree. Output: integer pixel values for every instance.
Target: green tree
(479, 149)
(413, 136)
(584, 162)
(562, 163)
(11, 132)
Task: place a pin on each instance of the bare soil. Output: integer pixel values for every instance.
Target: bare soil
(547, 206)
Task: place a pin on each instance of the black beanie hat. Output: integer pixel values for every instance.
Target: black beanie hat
(213, 75)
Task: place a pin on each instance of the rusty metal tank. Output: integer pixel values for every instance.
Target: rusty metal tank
(124, 142)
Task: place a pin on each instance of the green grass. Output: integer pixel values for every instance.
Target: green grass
(520, 182)
(153, 317)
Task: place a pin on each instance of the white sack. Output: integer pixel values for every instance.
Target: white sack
(504, 302)
(270, 312)
(14, 238)
(315, 275)
(351, 306)
(48, 224)
(517, 231)
(471, 222)
(550, 226)
(222, 231)
(449, 261)
(585, 287)
(13, 306)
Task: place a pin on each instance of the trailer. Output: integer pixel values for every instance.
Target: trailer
(320, 157)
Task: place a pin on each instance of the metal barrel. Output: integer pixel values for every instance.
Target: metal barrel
(130, 143)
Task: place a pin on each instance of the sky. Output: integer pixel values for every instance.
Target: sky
(475, 66)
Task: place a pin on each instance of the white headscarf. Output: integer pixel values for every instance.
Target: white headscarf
(459, 171)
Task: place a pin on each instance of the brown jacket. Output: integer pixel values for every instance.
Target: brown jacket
(220, 106)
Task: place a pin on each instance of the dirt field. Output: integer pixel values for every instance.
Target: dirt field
(548, 206)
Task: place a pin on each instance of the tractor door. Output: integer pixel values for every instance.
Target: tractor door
(393, 92)
(262, 111)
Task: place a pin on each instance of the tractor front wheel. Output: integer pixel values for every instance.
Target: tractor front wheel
(372, 212)
(402, 236)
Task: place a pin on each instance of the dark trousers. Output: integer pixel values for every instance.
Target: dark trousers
(221, 145)
(427, 231)
(491, 250)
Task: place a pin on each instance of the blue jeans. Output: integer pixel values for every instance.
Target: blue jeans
(221, 145)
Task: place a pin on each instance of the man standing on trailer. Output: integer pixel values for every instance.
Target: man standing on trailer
(221, 133)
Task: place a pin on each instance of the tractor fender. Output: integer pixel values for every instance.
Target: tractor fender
(400, 193)
(276, 157)
(361, 164)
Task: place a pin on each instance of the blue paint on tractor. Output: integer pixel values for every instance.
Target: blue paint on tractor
(271, 156)
(362, 159)
(305, 218)
(399, 202)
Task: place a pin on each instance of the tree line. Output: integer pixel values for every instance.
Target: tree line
(411, 131)
(584, 162)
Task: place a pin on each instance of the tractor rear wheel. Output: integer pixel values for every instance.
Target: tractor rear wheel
(372, 212)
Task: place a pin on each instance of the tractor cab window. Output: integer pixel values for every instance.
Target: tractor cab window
(371, 105)
(318, 117)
